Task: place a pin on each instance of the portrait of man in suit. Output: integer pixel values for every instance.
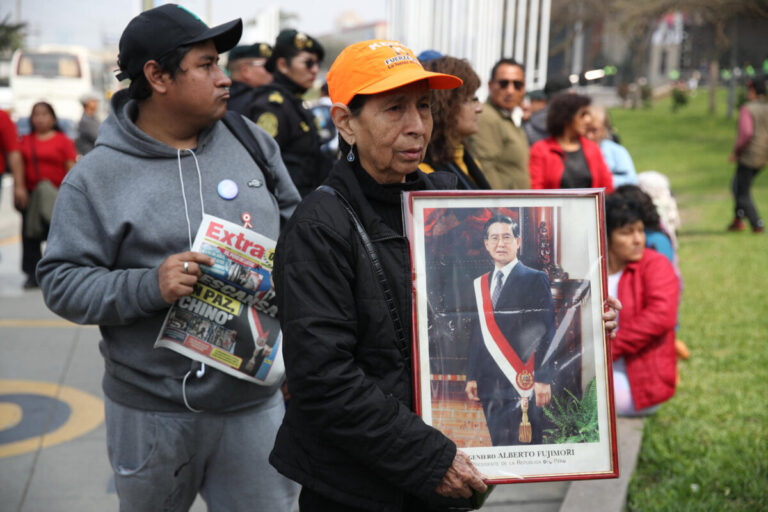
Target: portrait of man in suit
(508, 370)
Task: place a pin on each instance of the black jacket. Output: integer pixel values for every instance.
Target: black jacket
(536, 126)
(350, 432)
(477, 181)
(278, 109)
(240, 97)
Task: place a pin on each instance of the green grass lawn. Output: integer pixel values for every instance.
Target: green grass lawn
(707, 448)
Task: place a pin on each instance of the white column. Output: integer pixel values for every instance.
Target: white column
(509, 32)
(530, 54)
(520, 35)
(541, 75)
(477, 30)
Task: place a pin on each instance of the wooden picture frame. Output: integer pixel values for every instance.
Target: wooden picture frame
(469, 381)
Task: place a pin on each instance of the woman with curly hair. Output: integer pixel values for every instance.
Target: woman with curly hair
(644, 357)
(567, 159)
(454, 114)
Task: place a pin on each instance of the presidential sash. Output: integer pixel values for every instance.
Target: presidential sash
(519, 375)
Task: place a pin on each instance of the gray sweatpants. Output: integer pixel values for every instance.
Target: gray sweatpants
(162, 460)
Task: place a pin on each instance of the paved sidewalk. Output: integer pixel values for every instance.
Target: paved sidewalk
(52, 435)
(53, 454)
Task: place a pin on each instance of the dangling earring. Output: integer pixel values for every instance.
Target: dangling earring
(351, 154)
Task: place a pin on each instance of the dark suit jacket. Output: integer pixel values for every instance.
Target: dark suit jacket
(525, 315)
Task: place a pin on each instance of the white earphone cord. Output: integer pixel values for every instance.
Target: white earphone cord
(199, 373)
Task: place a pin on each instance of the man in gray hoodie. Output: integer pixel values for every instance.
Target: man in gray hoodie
(119, 255)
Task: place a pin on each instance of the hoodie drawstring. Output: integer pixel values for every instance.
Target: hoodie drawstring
(199, 373)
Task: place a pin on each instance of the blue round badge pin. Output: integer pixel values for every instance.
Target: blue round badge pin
(227, 189)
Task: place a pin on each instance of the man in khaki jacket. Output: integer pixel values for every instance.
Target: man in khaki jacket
(500, 145)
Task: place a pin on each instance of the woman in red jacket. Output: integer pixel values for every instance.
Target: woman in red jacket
(567, 159)
(644, 359)
(48, 155)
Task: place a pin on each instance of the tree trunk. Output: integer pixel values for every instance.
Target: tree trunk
(734, 60)
(714, 78)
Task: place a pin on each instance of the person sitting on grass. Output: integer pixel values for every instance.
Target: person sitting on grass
(657, 186)
(644, 358)
(656, 238)
(567, 159)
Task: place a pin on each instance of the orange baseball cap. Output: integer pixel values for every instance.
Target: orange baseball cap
(371, 67)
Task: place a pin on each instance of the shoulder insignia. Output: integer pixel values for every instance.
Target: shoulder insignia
(275, 97)
(304, 126)
(268, 122)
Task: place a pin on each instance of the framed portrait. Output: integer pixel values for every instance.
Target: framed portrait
(511, 359)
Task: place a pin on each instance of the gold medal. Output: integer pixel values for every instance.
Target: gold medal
(525, 379)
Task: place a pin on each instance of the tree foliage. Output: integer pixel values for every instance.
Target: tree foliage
(640, 17)
(637, 19)
(11, 35)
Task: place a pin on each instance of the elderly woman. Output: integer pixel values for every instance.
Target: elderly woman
(350, 435)
(567, 159)
(454, 112)
(644, 360)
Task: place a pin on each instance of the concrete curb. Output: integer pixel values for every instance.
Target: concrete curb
(609, 495)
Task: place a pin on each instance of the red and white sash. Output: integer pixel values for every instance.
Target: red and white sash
(277, 368)
(519, 375)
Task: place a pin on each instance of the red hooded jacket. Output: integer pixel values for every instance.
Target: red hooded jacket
(648, 291)
(546, 165)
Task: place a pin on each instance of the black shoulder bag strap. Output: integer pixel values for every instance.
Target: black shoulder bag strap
(378, 269)
(234, 121)
(32, 140)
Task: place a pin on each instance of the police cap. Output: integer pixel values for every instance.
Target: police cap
(290, 42)
(254, 51)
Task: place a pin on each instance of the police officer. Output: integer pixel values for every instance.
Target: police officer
(278, 108)
(247, 69)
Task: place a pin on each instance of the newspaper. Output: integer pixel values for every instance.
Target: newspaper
(230, 320)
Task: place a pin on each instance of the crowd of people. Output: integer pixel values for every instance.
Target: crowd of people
(349, 438)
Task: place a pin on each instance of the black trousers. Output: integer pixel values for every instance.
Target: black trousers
(503, 416)
(31, 250)
(741, 186)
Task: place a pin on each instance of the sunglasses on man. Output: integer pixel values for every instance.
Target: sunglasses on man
(519, 84)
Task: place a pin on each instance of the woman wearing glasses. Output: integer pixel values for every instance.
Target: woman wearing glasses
(454, 114)
(500, 145)
(278, 108)
(567, 159)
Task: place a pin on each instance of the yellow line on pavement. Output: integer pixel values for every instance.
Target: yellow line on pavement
(15, 239)
(87, 413)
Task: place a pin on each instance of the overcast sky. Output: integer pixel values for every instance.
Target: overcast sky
(90, 22)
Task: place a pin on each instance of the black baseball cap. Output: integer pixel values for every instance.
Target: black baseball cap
(155, 33)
